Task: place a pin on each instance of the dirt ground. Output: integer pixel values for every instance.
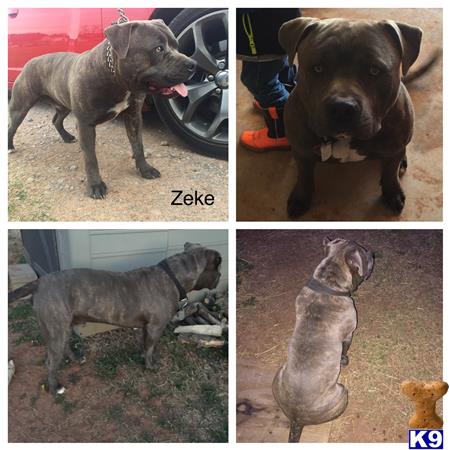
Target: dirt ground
(399, 333)
(47, 180)
(112, 398)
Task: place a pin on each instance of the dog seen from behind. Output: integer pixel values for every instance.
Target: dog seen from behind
(306, 386)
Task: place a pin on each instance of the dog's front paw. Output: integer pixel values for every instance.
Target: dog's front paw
(149, 172)
(395, 200)
(298, 203)
(98, 190)
(69, 138)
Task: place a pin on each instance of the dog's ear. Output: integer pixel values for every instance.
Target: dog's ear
(408, 38)
(188, 246)
(355, 262)
(291, 34)
(325, 242)
(213, 259)
(119, 37)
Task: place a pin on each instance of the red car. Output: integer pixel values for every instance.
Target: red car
(201, 119)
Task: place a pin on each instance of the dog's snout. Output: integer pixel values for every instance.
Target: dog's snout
(343, 109)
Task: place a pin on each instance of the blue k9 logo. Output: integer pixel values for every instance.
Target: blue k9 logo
(426, 439)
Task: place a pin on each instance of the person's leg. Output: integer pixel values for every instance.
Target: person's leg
(288, 76)
(262, 80)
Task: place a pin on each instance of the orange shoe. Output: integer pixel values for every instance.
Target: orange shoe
(259, 141)
(272, 137)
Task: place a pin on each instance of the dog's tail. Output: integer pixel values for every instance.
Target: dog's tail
(415, 74)
(295, 431)
(23, 291)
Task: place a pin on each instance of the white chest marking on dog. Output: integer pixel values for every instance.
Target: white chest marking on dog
(341, 151)
(121, 106)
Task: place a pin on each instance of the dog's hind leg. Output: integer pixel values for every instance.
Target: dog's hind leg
(152, 333)
(58, 119)
(22, 99)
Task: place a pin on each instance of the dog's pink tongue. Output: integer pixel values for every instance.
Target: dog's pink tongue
(180, 89)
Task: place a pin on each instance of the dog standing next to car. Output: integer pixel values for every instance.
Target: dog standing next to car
(306, 387)
(146, 298)
(136, 59)
(350, 102)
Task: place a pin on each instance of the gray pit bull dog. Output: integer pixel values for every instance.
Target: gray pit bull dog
(350, 102)
(147, 298)
(136, 59)
(306, 387)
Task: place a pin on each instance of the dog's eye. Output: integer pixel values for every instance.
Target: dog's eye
(374, 71)
(159, 49)
(318, 68)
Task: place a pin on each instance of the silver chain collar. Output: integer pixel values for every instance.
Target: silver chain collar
(109, 51)
(110, 58)
(122, 17)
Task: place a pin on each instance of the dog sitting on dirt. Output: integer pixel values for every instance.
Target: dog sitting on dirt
(306, 387)
(146, 298)
(136, 59)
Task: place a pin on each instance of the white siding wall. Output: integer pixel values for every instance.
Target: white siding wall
(129, 249)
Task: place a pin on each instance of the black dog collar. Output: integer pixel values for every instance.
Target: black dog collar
(317, 286)
(164, 266)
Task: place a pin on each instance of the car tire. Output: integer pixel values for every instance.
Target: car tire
(201, 123)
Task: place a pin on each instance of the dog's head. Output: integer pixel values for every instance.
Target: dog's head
(148, 59)
(353, 262)
(209, 262)
(349, 71)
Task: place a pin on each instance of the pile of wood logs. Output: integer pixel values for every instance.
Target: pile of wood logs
(204, 319)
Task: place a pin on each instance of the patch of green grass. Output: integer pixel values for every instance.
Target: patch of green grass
(67, 405)
(208, 395)
(156, 390)
(220, 432)
(76, 342)
(107, 365)
(181, 359)
(145, 436)
(115, 413)
(41, 216)
(171, 418)
(379, 352)
(21, 312)
(23, 322)
(16, 195)
(129, 388)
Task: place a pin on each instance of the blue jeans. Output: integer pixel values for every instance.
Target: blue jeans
(265, 80)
